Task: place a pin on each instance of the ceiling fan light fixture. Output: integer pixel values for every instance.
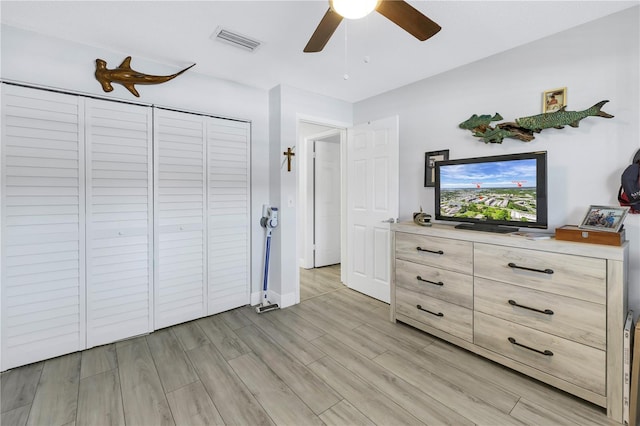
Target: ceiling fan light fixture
(353, 9)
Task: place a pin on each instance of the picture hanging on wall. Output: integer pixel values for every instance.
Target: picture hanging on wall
(554, 99)
(604, 218)
(430, 159)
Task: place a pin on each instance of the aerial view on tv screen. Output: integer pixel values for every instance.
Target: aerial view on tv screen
(500, 190)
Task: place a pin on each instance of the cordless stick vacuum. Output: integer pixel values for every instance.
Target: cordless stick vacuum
(269, 221)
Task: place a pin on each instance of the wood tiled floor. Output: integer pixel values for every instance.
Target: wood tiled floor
(334, 359)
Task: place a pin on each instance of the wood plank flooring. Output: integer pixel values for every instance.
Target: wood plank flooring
(333, 359)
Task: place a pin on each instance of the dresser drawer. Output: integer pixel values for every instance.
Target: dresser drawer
(574, 319)
(567, 275)
(445, 316)
(454, 255)
(443, 284)
(581, 365)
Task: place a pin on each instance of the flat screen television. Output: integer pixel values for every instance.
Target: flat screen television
(498, 193)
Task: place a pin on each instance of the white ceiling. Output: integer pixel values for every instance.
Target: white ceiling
(177, 33)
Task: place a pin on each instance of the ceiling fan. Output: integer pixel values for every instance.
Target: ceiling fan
(398, 11)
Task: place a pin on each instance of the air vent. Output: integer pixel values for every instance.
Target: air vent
(235, 39)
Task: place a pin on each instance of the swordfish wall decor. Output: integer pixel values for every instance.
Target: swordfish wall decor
(524, 127)
(127, 77)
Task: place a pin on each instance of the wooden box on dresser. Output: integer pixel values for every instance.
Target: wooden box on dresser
(553, 310)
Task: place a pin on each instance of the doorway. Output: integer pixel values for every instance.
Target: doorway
(320, 199)
(326, 201)
(373, 181)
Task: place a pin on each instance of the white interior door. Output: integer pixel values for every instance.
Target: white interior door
(327, 203)
(42, 190)
(372, 194)
(180, 234)
(119, 221)
(229, 204)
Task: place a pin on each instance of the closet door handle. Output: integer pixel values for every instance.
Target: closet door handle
(546, 352)
(430, 251)
(437, 314)
(546, 311)
(543, 271)
(419, 278)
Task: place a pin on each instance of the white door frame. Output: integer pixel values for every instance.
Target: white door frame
(307, 198)
(327, 187)
(340, 127)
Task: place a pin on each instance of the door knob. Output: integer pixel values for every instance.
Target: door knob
(390, 220)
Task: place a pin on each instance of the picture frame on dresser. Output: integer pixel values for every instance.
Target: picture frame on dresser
(604, 218)
(430, 159)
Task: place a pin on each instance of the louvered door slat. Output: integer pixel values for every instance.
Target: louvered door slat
(42, 289)
(228, 144)
(119, 217)
(180, 291)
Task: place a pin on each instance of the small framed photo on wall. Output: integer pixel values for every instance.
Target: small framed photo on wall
(430, 159)
(554, 99)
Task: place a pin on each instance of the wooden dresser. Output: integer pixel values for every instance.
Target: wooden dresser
(553, 310)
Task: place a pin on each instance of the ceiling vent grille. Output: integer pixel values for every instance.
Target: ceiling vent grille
(235, 39)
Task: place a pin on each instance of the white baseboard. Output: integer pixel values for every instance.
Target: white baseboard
(255, 298)
(288, 299)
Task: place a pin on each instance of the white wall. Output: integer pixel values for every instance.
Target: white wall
(43, 61)
(288, 107)
(596, 61)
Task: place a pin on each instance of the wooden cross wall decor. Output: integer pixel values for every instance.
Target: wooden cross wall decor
(289, 154)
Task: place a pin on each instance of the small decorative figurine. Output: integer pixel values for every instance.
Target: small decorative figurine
(421, 218)
(524, 127)
(127, 77)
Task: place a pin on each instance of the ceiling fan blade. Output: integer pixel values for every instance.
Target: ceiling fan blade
(323, 33)
(408, 18)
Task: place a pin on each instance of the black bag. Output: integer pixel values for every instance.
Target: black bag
(629, 192)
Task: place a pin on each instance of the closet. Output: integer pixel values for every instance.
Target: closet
(228, 214)
(119, 227)
(180, 226)
(202, 215)
(117, 220)
(43, 225)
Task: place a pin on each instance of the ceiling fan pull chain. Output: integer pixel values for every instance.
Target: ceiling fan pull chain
(367, 39)
(346, 63)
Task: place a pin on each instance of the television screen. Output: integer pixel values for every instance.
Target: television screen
(499, 190)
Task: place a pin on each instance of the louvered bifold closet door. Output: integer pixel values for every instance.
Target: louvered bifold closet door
(119, 221)
(228, 144)
(42, 289)
(180, 203)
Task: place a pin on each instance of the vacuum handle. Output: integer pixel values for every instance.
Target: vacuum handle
(266, 263)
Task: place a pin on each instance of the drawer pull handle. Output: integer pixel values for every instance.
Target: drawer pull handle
(544, 271)
(430, 251)
(419, 278)
(546, 311)
(546, 352)
(438, 314)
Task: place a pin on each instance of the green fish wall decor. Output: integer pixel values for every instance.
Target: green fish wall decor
(524, 128)
(494, 135)
(561, 118)
(479, 122)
